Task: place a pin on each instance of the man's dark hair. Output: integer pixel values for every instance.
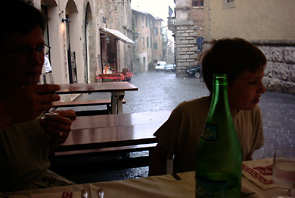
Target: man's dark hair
(231, 57)
(19, 17)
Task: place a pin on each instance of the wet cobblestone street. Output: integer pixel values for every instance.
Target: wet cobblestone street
(164, 91)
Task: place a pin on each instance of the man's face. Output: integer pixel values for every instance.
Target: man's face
(18, 65)
(246, 90)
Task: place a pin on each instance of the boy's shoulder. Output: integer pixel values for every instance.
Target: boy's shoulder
(194, 103)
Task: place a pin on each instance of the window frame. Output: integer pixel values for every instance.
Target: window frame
(197, 3)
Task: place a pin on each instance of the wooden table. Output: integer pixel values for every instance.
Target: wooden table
(116, 132)
(117, 90)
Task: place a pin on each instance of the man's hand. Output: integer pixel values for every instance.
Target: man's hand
(26, 103)
(58, 127)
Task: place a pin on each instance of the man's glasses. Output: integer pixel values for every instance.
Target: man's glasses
(26, 51)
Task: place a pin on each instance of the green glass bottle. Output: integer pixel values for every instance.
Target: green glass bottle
(219, 156)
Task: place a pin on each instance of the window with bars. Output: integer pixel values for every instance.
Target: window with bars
(142, 21)
(151, 41)
(143, 43)
(198, 3)
(155, 31)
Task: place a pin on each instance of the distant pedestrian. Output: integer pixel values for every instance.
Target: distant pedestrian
(47, 65)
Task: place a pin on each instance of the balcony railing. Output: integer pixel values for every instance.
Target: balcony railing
(171, 20)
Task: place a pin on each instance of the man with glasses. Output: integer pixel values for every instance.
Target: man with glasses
(25, 140)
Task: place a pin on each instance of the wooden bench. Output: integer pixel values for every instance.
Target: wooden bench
(117, 158)
(111, 77)
(123, 149)
(103, 159)
(77, 103)
(110, 135)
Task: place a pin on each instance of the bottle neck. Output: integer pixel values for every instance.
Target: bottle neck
(219, 99)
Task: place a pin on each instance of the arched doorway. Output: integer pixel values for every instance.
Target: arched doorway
(48, 8)
(88, 21)
(71, 15)
(90, 47)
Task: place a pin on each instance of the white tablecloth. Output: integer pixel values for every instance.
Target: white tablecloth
(164, 186)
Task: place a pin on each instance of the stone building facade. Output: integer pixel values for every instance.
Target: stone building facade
(83, 35)
(149, 37)
(273, 33)
(187, 26)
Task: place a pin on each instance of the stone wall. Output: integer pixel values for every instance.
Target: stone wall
(280, 70)
(186, 49)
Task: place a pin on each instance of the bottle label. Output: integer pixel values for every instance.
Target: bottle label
(208, 188)
(210, 132)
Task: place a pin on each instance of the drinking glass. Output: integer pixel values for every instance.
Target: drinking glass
(47, 78)
(283, 171)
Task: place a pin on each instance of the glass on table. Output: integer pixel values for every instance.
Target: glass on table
(283, 172)
(47, 78)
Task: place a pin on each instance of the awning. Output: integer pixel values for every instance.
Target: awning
(117, 34)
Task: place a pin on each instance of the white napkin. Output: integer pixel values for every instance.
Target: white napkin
(259, 172)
